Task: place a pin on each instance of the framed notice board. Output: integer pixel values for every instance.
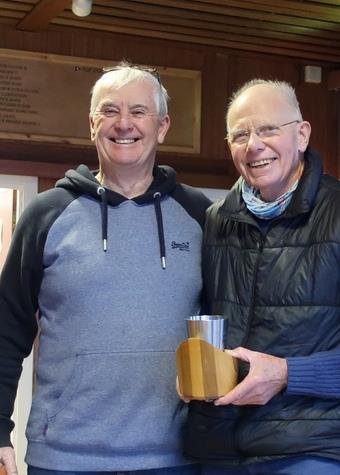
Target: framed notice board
(45, 97)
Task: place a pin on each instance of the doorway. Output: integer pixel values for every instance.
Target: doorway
(15, 194)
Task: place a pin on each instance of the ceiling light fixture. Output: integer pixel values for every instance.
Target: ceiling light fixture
(81, 7)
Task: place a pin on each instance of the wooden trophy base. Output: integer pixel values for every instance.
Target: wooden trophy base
(204, 371)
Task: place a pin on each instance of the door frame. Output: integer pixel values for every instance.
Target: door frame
(28, 189)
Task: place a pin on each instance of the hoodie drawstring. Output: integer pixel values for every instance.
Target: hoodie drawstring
(102, 193)
(157, 203)
(157, 197)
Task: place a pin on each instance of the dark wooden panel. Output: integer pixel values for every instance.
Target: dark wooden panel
(222, 71)
(302, 29)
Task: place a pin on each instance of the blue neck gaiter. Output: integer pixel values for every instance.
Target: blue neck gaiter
(263, 209)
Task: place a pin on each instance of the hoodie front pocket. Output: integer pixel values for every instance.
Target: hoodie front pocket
(45, 407)
(118, 402)
(69, 391)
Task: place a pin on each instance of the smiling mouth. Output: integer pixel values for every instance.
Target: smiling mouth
(261, 163)
(124, 141)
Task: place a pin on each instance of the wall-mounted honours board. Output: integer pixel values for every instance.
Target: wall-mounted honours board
(45, 97)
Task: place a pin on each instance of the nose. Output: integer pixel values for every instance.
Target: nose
(123, 121)
(255, 142)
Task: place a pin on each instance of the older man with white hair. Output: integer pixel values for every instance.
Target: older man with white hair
(100, 257)
(271, 265)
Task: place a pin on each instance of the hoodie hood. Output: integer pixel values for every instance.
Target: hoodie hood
(83, 181)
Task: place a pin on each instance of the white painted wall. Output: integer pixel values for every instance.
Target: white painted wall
(28, 188)
(215, 194)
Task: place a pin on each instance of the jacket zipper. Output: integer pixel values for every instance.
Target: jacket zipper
(260, 246)
(242, 410)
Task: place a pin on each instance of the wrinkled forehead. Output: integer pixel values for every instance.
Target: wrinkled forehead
(137, 92)
(260, 104)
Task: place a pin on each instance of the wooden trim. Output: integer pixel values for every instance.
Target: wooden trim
(42, 14)
(39, 169)
(241, 42)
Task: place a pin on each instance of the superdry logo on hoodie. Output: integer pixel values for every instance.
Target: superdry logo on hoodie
(182, 246)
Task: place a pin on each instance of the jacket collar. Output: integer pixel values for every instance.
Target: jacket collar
(304, 197)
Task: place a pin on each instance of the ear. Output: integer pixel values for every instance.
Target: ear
(163, 127)
(304, 132)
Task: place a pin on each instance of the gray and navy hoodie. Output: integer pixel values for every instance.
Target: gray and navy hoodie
(108, 281)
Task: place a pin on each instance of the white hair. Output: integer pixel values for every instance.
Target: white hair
(123, 74)
(282, 87)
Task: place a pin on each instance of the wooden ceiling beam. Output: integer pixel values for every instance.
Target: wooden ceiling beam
(211, 30)
(300, 51)
(159, 15)
(42, 13)
(269, 9)
(232, 8)
(289, 7)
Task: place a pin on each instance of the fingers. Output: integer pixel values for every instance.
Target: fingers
(267, 377)
(7, 460)
(235, 396)
(240, 353)
(184, 399)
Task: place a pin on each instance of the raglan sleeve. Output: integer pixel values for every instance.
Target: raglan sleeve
(19, 287)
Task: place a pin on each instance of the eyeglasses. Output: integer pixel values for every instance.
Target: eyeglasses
(241, 137)
(146, 69)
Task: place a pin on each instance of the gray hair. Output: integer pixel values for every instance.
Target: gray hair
(282, 87)
(123, 74)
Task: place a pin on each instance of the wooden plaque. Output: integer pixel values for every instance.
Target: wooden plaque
(46, 97)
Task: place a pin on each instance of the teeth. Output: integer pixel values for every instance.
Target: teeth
(124, 141)
(260, 162)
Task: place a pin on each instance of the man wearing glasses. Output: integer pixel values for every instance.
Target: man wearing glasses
(271, 265)
(94, 257)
